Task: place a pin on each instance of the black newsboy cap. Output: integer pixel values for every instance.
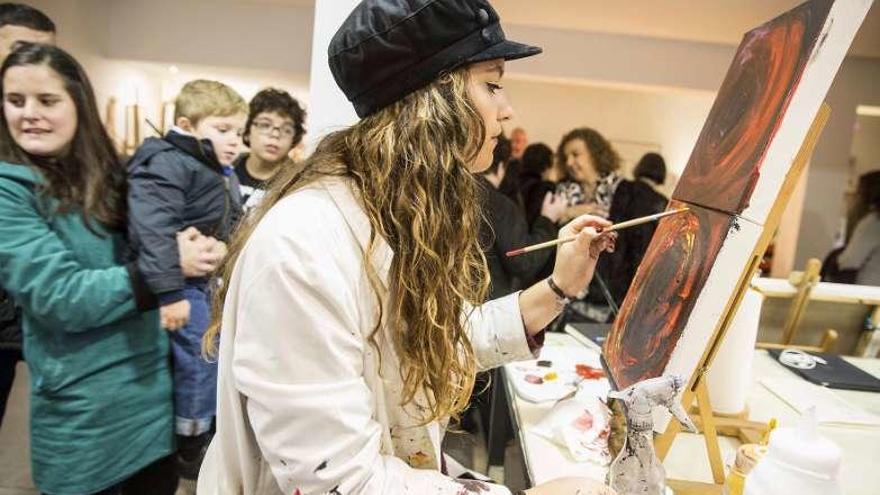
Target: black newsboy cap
(387, 49)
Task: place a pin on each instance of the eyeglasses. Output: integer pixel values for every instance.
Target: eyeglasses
(266, 128)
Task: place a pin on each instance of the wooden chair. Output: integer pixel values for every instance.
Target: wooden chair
(804, 282)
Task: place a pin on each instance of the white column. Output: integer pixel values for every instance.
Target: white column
(329, 109)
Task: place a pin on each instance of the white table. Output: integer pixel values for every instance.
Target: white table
(823, 291)
(860, 473)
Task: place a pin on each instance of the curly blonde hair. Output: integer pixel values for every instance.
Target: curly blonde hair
(409, 162)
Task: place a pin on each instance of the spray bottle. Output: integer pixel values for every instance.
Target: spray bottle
(637, 470)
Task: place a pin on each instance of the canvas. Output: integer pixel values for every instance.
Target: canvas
(678, 282)
(764, 108)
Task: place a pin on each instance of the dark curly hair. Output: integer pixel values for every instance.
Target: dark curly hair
(605, 159)
(280, 102)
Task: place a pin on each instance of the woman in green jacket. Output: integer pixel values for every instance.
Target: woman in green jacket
(101, 408)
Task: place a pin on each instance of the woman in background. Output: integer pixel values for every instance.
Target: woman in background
(862, 252)
(591, 168)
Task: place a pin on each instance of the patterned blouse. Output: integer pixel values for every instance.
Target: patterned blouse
(573, 193)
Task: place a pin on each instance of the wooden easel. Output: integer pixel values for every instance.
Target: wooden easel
(697, 389)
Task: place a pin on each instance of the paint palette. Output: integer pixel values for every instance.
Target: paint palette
(558, 372)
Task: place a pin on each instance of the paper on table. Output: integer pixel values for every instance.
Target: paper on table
(581, 426)
(831, 409)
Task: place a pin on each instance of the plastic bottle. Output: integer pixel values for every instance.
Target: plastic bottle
(798, 460)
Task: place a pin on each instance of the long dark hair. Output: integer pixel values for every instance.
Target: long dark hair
(90, 179)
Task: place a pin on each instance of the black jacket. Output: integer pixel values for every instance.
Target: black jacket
(506, 230)
(632, 199)
(533, 190)
(174, 183)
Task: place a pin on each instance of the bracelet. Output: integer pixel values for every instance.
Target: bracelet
(561, 298)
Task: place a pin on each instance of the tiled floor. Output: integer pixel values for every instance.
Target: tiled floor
(15, 469)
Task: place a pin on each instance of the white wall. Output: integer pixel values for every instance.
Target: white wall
(253, 35)
(857, 83)
(866, 144)
(335, 111)
(622, 59)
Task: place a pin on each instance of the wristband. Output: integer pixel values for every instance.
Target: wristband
(562, 299)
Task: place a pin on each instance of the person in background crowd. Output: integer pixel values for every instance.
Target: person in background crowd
(518, 143)
(18, 23)
(185, 179)
(591, 180)
(22, 23)
(537, 178)
(633, 200)
(100, 400)
(353, 300)
(274, 127)
(510, 185)
(859, 260)
(506, 228)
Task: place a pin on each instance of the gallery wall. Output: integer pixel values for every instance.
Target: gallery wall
(143, 52)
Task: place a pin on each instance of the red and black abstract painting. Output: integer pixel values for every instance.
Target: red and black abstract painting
(727, 158)
(717, 185)
(682, 252)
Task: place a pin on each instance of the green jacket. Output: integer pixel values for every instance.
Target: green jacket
(101, 404)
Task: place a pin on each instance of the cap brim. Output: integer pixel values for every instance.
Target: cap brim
(508, 50)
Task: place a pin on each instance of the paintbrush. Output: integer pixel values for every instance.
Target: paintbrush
(611, 228)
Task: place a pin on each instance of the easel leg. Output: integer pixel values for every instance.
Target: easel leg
(709, 433)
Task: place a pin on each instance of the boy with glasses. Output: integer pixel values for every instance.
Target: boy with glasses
(274, 127)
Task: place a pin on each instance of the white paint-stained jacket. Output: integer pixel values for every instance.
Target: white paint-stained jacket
(303, 406)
